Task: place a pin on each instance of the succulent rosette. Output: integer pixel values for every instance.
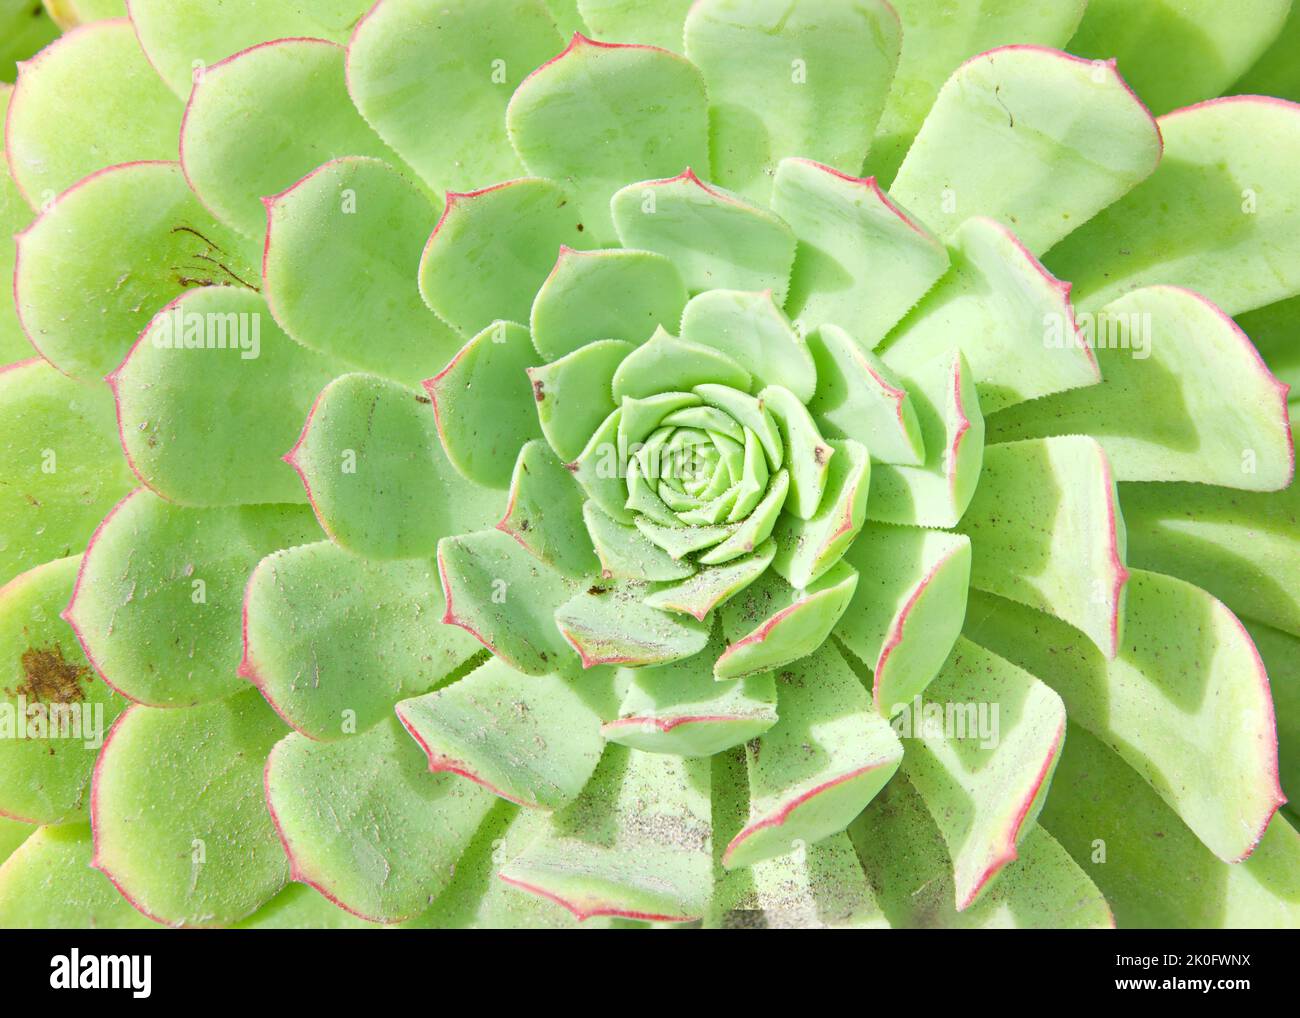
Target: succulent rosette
(678, 524)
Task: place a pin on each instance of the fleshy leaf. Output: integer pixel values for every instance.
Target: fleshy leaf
(907, 862)
(636, 843)
(493, 249)
(791, 79)
(332, 639)
(1186, 701)
(111, 251)
(234, 144)
(862, 261)
(612, 625)
(907, 609)
(93, 85)
(1059, 138)
(1272, 329)
(532, 739)
(363, 821)
(811, 546)
(1011, 319)
(463, 59)
(482, 402)
(736, 540)
(63, 465)
(626, 553)
(301, 907)
(1218, 216)
(634, 21)
(210, 351)
(341, 245)
(667, 363)
(717, 239)
(181, 826)
(505, 598)
(772, 624)
(544, 512)
(573, 394)
(15, 214)
(859, 398)
(952, 428)
(1280, 653)
(601, 295)
(1046, 530)
(700, 594)
(53, 715)
(158, 598)
(816, 768)
(601, 114)
(1173, 363)
(376, 475)
(985, 779)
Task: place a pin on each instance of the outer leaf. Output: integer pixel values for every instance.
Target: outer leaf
(181, 827)
(375, 472)
(1186, 702)
(809, 547)
(300, 907)
(802, 79)
(1280, 653)
(234, 145)
(601, 114)
(701, 593)
(332, 639)
(614, 625)
(407, 57)
(14, 215)
(544, 512)
(531, 739)
(364, 823)
(630, 21)
(159, 593)
(111, 251)
(1059, 138)
(626, 553)
(209, 398)
(1271, 329)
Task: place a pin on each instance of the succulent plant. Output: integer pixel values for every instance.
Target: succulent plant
(684, 526)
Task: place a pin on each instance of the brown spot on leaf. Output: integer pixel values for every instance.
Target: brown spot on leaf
(538, 386)
(51, 678)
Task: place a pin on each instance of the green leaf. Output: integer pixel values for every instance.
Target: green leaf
(332, 639)
(717, 239)
(773, 624)
(666, 363)
(363, 822)
(113, 249)
(633, 21)
(63, 465)
(1186, 397)
(601, 114)
(1218, 216)
(952, 428)
(210, 397)
(53, 715)
(636, 843)
(1185, 703)
(626, 553)
(12, 834)
(1275, 72)
(1177, 54)
(907, 609)
(980, 751)
(544, 512)
(936, 38)
(907, 862)
(181, 825)
(808, 78)
(737, 540)
(699, 594)
(1271, 329)
(1011, 319)
(573, 394)
(603, 295)
(1280, 653)
(340, 248)
(463, 59)
(86, 101)
(505, 598)
(1059, 139)
(234, 143)
(809, 547)
(375, 472)
(15, 214)
(613, 625)
(862, 261)
(816, 768)
(161, 587)
(858, 397)
(300, 907)
(1155, 872)
(493, 249)
(185, 38)
(1046, 530)
(482, 403)
(61, 857)
(532, 739)
(23, 31)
